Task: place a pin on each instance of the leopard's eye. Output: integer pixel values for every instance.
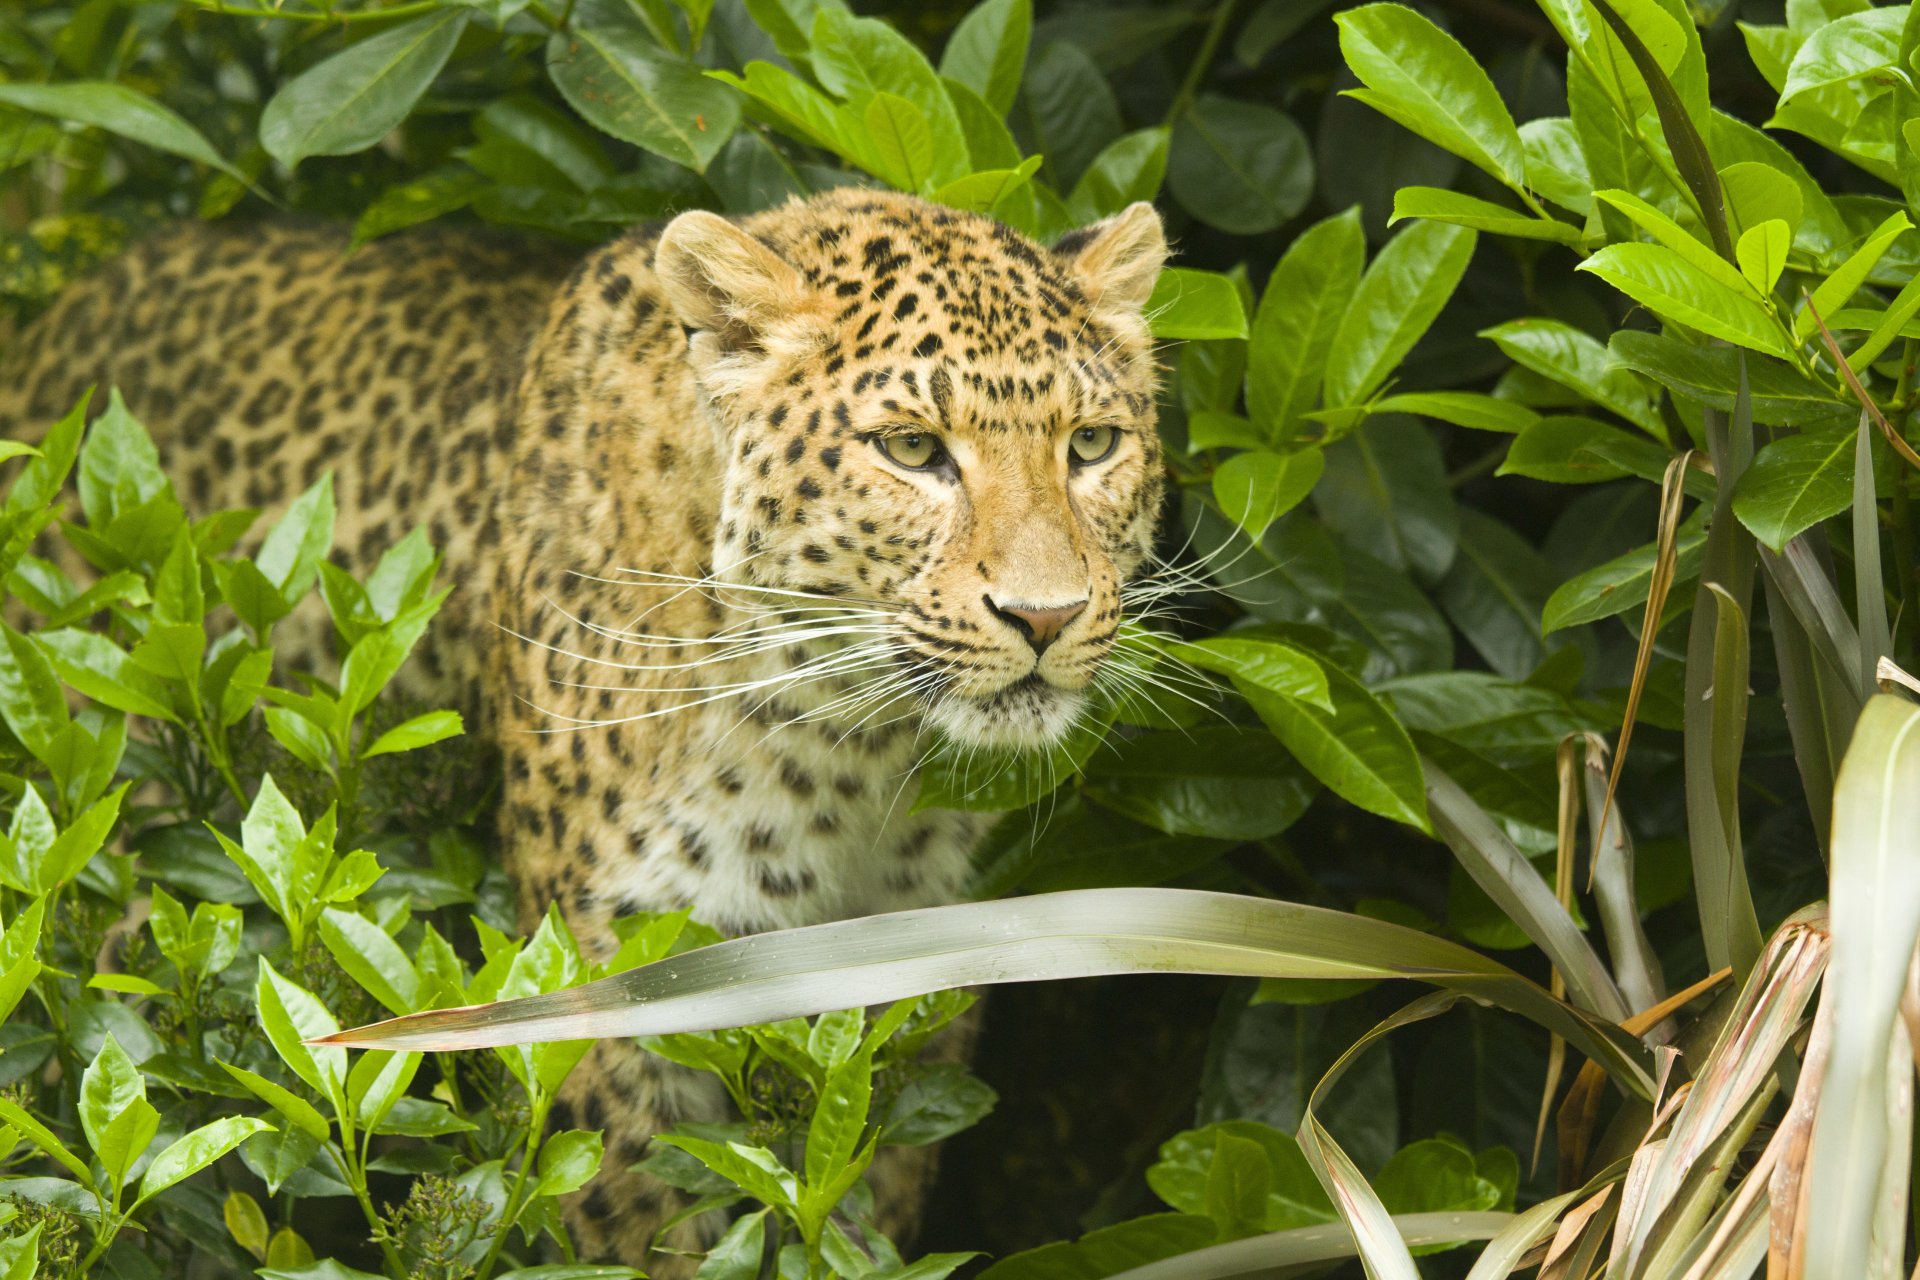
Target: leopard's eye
(1091, 444)
(914, 450)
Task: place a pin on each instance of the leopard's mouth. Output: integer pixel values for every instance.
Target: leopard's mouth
(1031, 713)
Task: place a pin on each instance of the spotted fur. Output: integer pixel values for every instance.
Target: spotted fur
(710, 623)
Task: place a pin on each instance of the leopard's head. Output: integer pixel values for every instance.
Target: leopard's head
(928, 415)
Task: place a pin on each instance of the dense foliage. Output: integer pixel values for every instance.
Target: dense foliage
(1660, 253)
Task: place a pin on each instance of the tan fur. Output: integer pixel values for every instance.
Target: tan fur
(695, 405)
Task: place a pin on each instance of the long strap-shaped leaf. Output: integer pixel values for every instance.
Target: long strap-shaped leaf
(1875, 922)
(1308, 1250)
(1079, 934)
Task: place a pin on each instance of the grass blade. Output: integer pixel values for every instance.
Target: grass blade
(1635, 967)
(1503, 1253)
(1803, 698)
(1715, 709)
(1869, 583)
(1080, 933)
(1809, 592)
(1875, 922)
(1506, 876)
(1659, 584)
(1307, 1250)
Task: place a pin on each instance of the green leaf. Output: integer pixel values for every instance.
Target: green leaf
(14, 1116)
(285, 1101)
(1237, 1180)
(1241, 166)
(119, 467)
(1299, 312)
(627, 86)
(421, 731)
(371, 958)
(1676, 290)
(1462, 409)
(1195, 304)
(408, 204)
(1846, 49)
(1837, 289)
(834, 1134)
(1385, 491)
(348, 102)
(1557, 350)
(1271, 665)
(883, 958)
(1358, 749)
(290, 557)
(988, 50)
(1109, 1251)
(1437, 204)
(193, 1152)
(118, 109)
(1184, 1172)
(1622, 583)
(1068, 111)
(31, 701)
(755, 1170)
(290, 1015)
(1563, 449)
(902, 141)
(1255, 489)
(1779, 394)
(1398, 298)
(857, 58)
(798, 107)
(1494, 594)
(114, 1112)
(983, 191)
(1419, 76)
(568, 1161)
(1794, 483)
(1129, 169)
(1671, 234)
(1762, 253)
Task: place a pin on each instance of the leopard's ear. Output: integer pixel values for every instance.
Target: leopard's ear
(723, 281)
(1116, 260)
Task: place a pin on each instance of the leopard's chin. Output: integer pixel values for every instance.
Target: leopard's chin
(1027, 715)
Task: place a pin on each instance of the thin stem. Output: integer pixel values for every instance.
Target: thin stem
(536, 1124)
(1902, 508)
(1201, 61)
(304, 15)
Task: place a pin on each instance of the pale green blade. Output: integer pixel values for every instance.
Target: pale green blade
(1308, 1250)
(1875, 921)
(1078, 934)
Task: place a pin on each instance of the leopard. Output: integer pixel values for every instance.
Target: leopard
(744, 516)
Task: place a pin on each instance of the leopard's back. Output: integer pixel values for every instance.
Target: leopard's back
(262, 357)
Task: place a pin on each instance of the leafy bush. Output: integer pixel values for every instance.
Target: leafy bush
(1392, 624)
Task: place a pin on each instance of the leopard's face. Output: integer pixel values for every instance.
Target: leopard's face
(945, 429)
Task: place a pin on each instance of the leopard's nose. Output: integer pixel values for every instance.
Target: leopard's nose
(1041, 624)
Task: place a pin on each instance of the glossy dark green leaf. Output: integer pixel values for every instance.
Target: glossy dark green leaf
(1239, 166)
(351, 100)
(1437, 204)
(1398, 298)
(1215, 781)
(1676, 290)
(1622, 583)
(1495, 592)
(1418, 75)
(1299, 311)
(1359, 750)
(1255, 489)
(1385, 491)
(987, 52)
(1794, 483)
(1572, 358)
(1066, 111)
(626, 85)
(1780, 395)
(119, 109)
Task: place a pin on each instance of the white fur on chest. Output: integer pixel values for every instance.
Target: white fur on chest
(763, 813)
